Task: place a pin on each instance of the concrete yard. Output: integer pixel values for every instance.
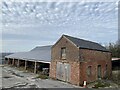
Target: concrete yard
(13, 78)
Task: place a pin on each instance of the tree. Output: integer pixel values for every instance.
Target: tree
(114, 48)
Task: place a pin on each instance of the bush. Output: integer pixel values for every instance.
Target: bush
(116, 77)
(101, 84)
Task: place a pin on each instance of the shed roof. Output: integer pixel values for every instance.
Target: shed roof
(115, 59)
(39, 54)
(86, 44)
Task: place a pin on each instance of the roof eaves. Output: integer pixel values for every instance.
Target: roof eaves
(95, 49)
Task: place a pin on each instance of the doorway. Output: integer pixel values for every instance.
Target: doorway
(99, 71)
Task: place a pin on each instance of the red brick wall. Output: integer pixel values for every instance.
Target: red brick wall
(72, 51)
(53, 67)
(79, 60)
(72, 57)
(75, 73)
(94, 58)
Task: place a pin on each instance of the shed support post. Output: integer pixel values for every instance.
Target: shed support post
(18, 63)
(13, 61)
(35, 67)
(25, 65)
(8, 62)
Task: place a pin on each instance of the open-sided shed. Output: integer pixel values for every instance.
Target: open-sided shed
(39, 57)
(115, 63)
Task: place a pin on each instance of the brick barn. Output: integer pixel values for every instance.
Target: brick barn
(76, 60)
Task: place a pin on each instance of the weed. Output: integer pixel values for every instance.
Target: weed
(42, 76)
(101, 84)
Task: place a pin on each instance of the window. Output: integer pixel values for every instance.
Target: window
(63, 53)
(106, 67)
(89, 70)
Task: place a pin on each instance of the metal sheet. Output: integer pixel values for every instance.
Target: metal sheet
(39, 54)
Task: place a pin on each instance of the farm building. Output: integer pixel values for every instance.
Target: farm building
(36, 59)
(76, 60)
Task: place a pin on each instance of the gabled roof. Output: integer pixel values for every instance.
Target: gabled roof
(41, 54)
(85, 44)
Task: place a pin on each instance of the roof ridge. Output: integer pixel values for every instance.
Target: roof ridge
(41, 47)
(44, 46)
(81, 39)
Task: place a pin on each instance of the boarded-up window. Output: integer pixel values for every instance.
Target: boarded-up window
(89, 71)
(63, 53)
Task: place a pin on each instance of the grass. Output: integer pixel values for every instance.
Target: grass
(101, 84)
(42, 76)
(116, 77)
(21, 68)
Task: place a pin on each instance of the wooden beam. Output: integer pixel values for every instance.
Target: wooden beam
(13, 61)
(8, 62)
(18, 63)
(25, 65)
(35, 67)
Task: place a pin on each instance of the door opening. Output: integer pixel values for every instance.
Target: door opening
(99, 71)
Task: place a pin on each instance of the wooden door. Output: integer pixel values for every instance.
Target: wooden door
(63, 71)
(60, 71)
(67, 72)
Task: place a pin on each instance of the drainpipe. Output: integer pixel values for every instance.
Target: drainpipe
(79, 67)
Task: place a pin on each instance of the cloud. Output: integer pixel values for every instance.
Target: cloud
(52, 12)
(33, 23)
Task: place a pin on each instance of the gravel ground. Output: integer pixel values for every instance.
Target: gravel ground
(12, 78)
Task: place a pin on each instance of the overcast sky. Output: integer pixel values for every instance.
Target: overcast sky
(30, 24)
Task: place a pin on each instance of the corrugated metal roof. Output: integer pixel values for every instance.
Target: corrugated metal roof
(41, 53)
(86, 44)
